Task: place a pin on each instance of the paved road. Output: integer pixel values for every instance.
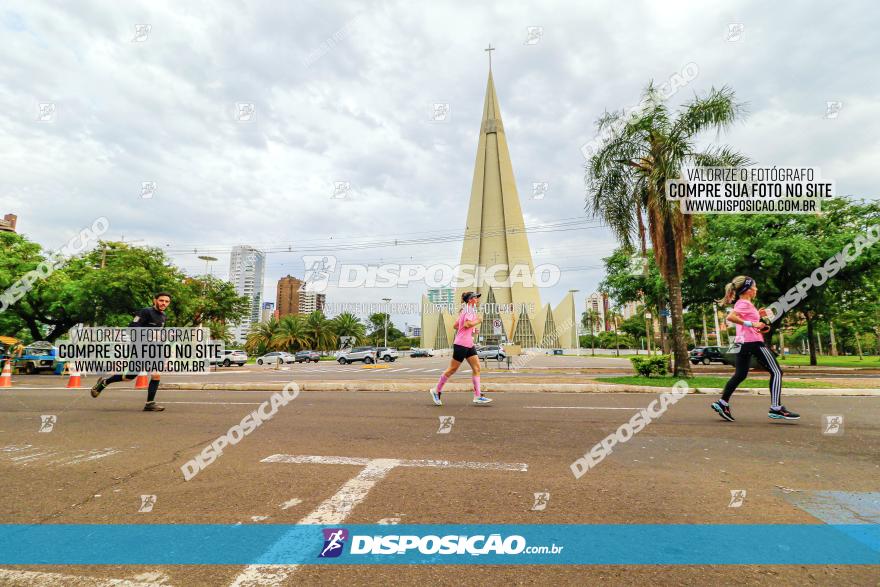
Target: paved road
(103, 454)
(536, 368)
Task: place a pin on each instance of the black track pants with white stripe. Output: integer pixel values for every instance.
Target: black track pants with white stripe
(766, 360)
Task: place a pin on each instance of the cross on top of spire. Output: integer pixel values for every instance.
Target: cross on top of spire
(489, 50)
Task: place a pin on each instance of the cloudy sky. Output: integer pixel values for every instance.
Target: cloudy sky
(343, 92)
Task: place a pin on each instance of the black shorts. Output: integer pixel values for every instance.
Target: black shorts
(460, 353)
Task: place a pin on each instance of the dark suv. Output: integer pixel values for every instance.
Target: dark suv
(707, 354)
(306, 356)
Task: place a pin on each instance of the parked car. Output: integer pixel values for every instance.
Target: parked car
(275, 357)
(231, 356)
(421, 353)
(387, 354)
(492, 351)
(306, 356)
(367, 354)
(707, 354)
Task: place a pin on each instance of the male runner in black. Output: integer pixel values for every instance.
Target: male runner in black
(147, 318)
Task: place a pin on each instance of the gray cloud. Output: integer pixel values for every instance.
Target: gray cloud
(343, 93)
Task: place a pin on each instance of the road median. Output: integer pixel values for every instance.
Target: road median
(392, 386)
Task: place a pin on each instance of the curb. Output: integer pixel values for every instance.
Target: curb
(502, 387)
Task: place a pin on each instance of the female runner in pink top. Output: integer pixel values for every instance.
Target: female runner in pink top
(749, 329)
(466, 326)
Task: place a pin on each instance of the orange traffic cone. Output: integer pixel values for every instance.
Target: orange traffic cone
(75, 378)
(142, 380)
(6, 375)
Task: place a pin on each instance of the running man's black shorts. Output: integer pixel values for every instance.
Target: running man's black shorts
(460, 353)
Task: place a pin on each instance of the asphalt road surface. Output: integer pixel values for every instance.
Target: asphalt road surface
(428, 369)
(101, 455)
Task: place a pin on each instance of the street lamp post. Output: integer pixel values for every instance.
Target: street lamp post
(387, 301)
(207, 259)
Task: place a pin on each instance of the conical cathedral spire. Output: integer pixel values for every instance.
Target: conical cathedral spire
(496, 244)
(495, 237)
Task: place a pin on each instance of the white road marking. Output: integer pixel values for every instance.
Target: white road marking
(322, 460)
(27, 578)
(92, 455)
(217, 403)
(290, 503)
(31, 456)
(575, 408)
(337, 508)
(65, 457)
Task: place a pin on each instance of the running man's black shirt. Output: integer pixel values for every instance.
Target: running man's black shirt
(148, 318)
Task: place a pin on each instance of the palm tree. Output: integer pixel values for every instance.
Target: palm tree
(219, 330)
(320, 331)
(291, 334)
(347, 324)
(627, 178)
(588, 319)
(259, 339)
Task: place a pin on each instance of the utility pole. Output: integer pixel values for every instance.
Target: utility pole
(387, 301)
(833, 340)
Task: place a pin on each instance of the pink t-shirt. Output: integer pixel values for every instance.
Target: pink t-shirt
(747, 311)
(465, 336)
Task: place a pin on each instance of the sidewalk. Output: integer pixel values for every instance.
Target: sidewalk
(496, 387)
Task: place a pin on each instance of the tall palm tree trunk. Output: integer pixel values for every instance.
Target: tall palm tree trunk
(682, 366)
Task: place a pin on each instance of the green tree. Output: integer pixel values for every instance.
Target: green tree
(291, 334)
(627, 178)
(320, 331)
(778, 251)
(377, 321)
(207, 299)
(259, 340)
(347, 324)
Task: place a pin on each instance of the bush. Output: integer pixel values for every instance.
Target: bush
(652, 365)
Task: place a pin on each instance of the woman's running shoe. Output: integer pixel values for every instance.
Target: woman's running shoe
(723, 411)
(782, 414)
(481, 400)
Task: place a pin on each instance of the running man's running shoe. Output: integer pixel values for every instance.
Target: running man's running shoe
(723, 411)
(482, 400)
(782, 414)
(153, 407)
(435, 396)
(98, 387)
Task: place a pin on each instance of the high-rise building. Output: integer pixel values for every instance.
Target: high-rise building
(442, 295)
(7, 224)
(598, 303)
(495, 237)
(287, 299)
(246, 268)
(629, 309)
(268, 311)
(310, 301)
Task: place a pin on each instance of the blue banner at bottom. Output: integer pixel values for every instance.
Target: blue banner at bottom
(600, 544)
